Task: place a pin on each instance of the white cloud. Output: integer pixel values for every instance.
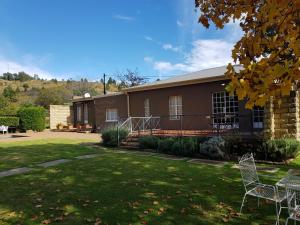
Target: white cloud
(15, 67)
(148, 38)
(122, 17)
(171, 47)
(148, 59)
(179, 23)
(204, 54)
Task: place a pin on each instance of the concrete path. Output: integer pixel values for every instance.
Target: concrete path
(52, 135)
(14, 171)
(22, 170)
(53, 163)
(208, 162)
(87, 156)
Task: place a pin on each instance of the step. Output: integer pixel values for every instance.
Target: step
(129, 147)
(130, 143)
(130, 138)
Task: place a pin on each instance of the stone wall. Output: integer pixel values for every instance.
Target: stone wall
(60, 114)
(283, 120)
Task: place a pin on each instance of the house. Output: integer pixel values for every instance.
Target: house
(194, 103)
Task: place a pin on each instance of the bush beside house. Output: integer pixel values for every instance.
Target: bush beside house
(112, 137)
(32, 118)
(10, 121)
(228, 147)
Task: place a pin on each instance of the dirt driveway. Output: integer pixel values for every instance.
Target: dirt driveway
(49, 134)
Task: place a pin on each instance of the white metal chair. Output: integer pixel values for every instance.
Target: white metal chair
(3, 129)
(293, 200)
(255, 188)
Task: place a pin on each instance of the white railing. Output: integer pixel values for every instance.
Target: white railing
(137, 124)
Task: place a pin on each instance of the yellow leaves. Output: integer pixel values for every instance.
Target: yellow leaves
(269, 49)
(203, 19)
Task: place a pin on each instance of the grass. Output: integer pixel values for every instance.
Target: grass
(18, 154)
(117, 188)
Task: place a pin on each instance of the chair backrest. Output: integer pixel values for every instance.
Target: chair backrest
(248, 170)
(293, 196)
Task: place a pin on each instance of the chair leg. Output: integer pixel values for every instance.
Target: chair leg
(277, 214)
(243, 202)
(287, 221)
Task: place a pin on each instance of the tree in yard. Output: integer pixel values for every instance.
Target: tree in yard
(269, 50)
(25, 86)
(53, 96)
(130, 78)
(10, 93)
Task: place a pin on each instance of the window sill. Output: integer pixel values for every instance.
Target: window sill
(107, 121)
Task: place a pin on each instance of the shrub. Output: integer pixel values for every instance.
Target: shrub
(281, 149)
(110, 137)
(165, 145)
(32, 118)
(9, 121)
(176, 148)
(148, 142)
(213, 148)
(189, 146)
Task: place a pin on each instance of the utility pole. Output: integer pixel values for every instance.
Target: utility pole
(104, 85)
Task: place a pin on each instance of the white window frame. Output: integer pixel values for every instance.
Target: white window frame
(175, 107)
(111, 115)
(258, 117)
(147, 107)
(78, 112)
(86, 113)
(225, 110)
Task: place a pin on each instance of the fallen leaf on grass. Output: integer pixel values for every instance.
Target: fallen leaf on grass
(46, 221)
(98, 221)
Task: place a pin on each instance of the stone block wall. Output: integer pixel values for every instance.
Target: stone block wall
(60, 114)
(283, 120)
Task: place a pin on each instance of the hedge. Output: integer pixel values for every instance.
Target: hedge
(110, 137)
(32, 118)
(10, 121)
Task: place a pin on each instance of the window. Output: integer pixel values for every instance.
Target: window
(86, 114)
(175, 107)
(258, 117)
(111, 115)
(225, 110)
(147, 107)
(78, 113)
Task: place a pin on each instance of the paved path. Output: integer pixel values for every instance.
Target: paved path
(49, 134)
(22, 170)
(14, 171)
(53, 163)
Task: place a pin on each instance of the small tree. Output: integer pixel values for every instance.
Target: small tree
(269, 49)
(10, 94)
(130, 78)
(25, 86)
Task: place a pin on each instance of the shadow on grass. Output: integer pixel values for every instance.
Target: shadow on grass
(126, 189)
(19, 154)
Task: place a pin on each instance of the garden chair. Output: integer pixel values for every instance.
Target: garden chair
(293, 200)
(253, 187)
(3, 129)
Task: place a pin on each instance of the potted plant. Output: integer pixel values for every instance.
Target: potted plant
(59, 126)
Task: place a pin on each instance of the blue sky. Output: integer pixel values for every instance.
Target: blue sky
(86, 38)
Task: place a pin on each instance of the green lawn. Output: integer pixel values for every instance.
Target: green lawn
(122, 188)
(18, 154)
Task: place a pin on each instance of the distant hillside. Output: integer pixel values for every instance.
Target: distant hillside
(18, 91)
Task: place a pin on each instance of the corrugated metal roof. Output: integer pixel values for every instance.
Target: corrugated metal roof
(205, 75)
(81, 99)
